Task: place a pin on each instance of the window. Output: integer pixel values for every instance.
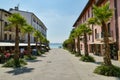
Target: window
(6, 24)
(81, 46)
(10, 37)
(85, 18)
(10, 29)
(6, 15)
(88, 13)
(34, 20)
(5, 36)
(95, 33)
(89, 37)
(109, 29)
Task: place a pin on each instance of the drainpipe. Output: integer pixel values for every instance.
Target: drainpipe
(116, 25)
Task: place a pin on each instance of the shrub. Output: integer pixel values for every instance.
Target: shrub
(42, 52)
(108, 70)
(39, 53)
(26, 57)
(87, 59)
(77, 54)
(73, 52)
(11, 63)
(22, 62)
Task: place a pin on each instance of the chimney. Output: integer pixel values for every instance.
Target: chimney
(16, 8)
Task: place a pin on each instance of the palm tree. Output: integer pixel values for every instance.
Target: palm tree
(73, 36)
(85, 30)
(37, 34)
(78, 33)
(29, 30)
(102, 15)
(16, 21)
(45, 41)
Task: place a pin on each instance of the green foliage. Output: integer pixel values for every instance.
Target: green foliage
(37, 34)
(2, 57)
(84, 29)
(73, 52)
(103, 13)
(68, 44)
(11, 63)
(39, 53)
(87, 59)
(27, 29)
(108, 70)
(77, 54)
(16, 19)
(26, 57)
(42, 52)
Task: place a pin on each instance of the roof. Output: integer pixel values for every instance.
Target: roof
(32, 14)
(5, 11)
(84, 10)
(86, 7)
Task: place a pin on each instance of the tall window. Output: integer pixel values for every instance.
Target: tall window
(95, 33)
(109, 32)
(10, 37)
(5, 36)
(89, 37)
(88, 13)
(6, 24)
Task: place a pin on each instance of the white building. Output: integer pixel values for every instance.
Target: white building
(32, 20)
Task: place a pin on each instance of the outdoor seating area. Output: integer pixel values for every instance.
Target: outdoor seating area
(7, 50)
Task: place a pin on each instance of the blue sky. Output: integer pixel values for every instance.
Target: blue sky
(58, 15)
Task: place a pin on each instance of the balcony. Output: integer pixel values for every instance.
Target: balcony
(99, 36)
(8, 32)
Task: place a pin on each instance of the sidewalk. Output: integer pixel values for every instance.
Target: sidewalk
(100, 59)
(58, 64)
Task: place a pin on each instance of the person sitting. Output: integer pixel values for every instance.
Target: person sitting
(7, 55)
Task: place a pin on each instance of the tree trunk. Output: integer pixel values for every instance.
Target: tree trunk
(78, 45)
(36, 43)
(74, 48)
(29, 50)
(16, 54)
(107, 59)
(85, 45)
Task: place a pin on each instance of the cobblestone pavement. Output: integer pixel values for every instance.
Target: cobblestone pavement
(57, 64)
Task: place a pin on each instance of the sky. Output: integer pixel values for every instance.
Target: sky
(57, 15)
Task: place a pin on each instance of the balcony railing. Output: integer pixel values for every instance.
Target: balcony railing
(99, 36)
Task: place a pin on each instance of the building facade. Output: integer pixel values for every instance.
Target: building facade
(95, 41)
(32, 20)
(5, 35)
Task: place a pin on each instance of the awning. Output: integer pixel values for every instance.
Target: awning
(5, 44)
